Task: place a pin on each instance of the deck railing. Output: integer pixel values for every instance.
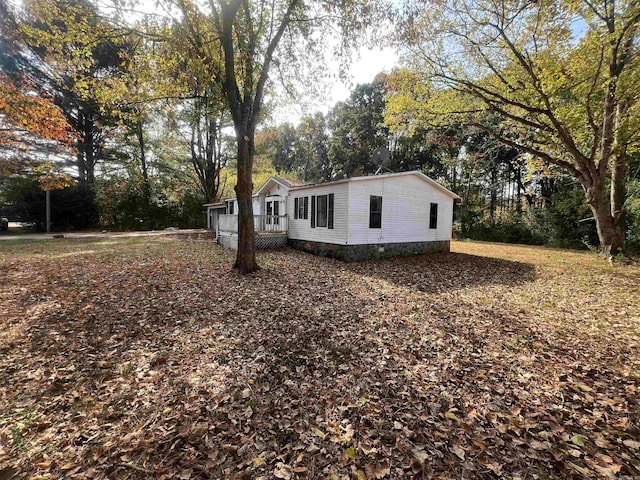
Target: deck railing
(261, 223)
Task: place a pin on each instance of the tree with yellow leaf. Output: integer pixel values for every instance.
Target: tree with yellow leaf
(563, 77)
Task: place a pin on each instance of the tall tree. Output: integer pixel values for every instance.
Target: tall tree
(564, 77)
(79, 56)
(313, 149)
(28, 118)
(199, 114)
(302, 151)
(357, 128)
(249, 36)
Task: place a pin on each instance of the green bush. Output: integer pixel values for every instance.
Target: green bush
(511, 227)
(561, 223)
(123, 205)
(564, 223)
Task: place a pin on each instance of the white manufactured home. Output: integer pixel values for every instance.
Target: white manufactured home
(356, 218)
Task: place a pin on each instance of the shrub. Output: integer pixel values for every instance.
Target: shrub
(124, 206)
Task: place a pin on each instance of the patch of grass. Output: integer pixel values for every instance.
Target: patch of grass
(17, 440)
(19, 242)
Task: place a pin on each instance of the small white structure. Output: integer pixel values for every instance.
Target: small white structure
(356, 218)
(269, 215)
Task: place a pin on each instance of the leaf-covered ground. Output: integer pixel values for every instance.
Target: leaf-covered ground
(152, 358)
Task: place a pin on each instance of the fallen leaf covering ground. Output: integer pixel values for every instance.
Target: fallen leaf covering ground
(152, 358)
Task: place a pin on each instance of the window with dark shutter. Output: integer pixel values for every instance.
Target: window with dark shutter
(300, 207)
(296, 203)
(433, 216)
(322, 210)
(313, 211)
(375, 211)
(306, 208)
(330, 212)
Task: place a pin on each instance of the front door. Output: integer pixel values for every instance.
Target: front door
(273, 210)
(269, 212)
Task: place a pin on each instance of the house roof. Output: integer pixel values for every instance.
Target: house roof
(288, 182)
(285, 182)
(420, 175)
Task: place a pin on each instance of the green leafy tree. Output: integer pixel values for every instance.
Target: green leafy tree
(199, 113)
(248, 38)
(564, 78)
(357, 129)
(80, 56)
(302, 151)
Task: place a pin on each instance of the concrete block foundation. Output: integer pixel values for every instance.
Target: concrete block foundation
(350, 253)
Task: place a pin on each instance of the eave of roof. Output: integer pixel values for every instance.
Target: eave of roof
(285, 182)
(421, 175)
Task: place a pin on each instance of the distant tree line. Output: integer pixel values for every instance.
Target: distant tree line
(138, 123)
(507, 195)
(535, 126)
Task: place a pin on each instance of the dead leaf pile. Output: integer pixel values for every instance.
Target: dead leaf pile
(151, 357)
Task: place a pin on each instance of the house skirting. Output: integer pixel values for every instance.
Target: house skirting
(263, 240)
(350, 253)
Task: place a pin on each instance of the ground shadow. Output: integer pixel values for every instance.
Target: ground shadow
(441, 272)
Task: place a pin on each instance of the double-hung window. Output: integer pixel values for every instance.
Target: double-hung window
(433, 216)
(375, 211)
(301, 208)
(322, 208)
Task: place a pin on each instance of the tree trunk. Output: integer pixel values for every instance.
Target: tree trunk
(86, 156)
(146, 186)
(619, 171)
(494, 192)
(610, 231)
(246, 256)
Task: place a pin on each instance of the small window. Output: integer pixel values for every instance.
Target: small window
(322, 210)
(302, 205)
(230, 208)
(375, 211)
(433, 216)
